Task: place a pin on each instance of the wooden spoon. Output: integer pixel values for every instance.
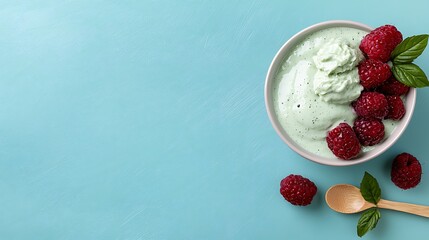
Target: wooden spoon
(345, 198)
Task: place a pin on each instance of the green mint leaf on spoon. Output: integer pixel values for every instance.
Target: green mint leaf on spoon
(368, 221)
(410, 75)
(370, 189)
(409, 49)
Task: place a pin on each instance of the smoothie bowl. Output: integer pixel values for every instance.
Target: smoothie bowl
(311, 88)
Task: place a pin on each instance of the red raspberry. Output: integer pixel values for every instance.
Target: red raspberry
(343, 142)
(406, 171)
(373, 73)
(379, 43)
(369, 131)
(371, 104)
(396, 108)
(297, 190)
(393, 87)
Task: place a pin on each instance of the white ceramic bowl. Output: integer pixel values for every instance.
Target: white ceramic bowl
(271, 75)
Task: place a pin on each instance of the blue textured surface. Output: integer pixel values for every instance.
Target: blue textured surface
(146, 120)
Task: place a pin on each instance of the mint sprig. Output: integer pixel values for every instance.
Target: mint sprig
(368, 221)
(371, 192)
(402, 57)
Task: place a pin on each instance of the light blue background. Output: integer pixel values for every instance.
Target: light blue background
(146, 120)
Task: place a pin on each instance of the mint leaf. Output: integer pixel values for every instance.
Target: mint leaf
(409, 49)
(370, 189)
(368, 221)
(411, 75)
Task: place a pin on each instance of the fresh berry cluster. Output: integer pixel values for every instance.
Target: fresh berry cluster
(381, 98)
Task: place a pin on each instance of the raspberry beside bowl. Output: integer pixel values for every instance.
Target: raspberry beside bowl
(276, 65)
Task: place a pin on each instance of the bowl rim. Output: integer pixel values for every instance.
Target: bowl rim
(269, 105)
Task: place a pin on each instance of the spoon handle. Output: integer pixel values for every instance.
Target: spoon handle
(405, 207)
